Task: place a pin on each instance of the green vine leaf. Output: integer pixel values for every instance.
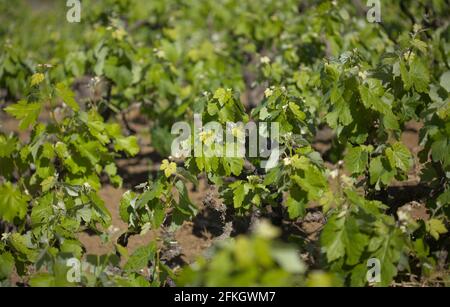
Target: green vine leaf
(26, 112)
(13, 204)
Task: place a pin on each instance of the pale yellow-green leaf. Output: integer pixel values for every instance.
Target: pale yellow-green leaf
(436, 227)
(37, 78)
(169, 168)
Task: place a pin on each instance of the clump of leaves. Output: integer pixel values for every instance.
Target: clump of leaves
(50, 181)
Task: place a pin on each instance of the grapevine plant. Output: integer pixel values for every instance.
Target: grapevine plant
(307, 66)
